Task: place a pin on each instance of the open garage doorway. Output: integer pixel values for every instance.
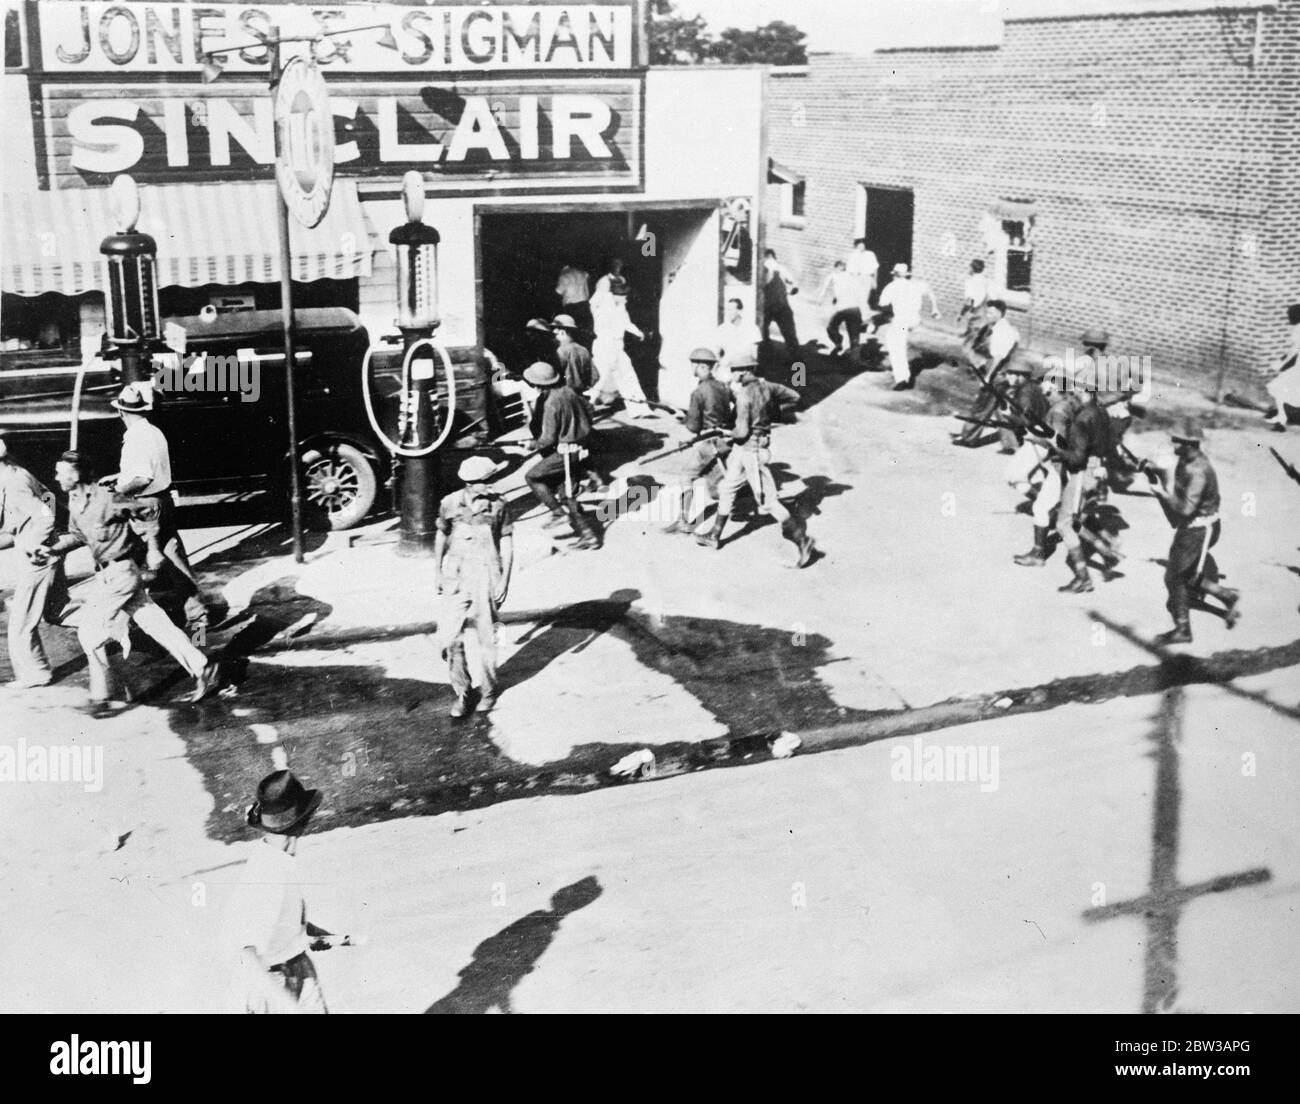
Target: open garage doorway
(670, 261)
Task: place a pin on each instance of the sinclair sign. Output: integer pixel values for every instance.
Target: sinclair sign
(499, 97)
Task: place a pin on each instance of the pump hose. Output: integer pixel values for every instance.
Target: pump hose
(396, 447)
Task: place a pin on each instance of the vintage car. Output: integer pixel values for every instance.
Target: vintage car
(221, 404)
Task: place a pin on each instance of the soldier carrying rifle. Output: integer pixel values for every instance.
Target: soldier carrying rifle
(711, 411)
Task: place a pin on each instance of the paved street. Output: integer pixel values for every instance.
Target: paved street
(819, 883)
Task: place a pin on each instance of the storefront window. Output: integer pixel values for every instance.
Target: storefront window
(40, 330)
(15, 40)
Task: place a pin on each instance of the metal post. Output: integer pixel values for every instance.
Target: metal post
(286, 312)
(132, 359)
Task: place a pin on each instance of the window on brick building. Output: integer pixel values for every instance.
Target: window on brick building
(794, 194)
(1008, 231)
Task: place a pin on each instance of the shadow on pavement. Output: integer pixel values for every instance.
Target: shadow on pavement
(503, 960)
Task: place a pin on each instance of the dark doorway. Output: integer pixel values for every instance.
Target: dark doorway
(889, 227)
(521, 258)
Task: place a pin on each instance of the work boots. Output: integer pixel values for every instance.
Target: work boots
(1181, 633)
(1229, 598)
(794, 529)
(1036, 556)
(589, 534)
(1082, 581)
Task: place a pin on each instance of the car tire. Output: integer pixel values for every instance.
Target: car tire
(339, 485)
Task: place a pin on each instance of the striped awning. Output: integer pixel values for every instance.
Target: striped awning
(206, 234)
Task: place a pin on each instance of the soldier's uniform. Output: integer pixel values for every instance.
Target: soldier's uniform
(473, 522)
(98, 519)
(561, 426)
(750, 457)
(27, 515)
(1083, 457)
(1027, 414)
(711, 408)
(1192, 507)
(1061, 408)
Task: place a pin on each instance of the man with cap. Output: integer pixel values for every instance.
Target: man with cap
(473, 555)
(749, 460)
(1061, 408)
(617, 377)
(1001, 339)
(1192, 507)
(145, 473)
(711, 410)
(1026, 413)
(540, 340)
(573, 360)
(1117, 401)
(1083, 456)
(99, 519)
(561, 428)
(905, 297)
(266, 922)
(1284, 387)
(27, 525)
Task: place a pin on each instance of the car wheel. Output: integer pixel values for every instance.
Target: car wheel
(338, 486)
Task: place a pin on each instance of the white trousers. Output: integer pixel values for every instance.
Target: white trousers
(617, 376)
(896, 336)
(1026, 467)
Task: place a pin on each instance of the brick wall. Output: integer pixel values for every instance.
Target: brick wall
(1161, 155)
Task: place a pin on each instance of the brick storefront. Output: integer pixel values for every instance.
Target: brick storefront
(1158, 154)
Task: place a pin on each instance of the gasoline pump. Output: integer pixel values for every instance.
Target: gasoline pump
(130, 258)
(422, 424)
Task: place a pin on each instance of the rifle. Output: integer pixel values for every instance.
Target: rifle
(1289, 468)
(710, 435)
(1042, 435)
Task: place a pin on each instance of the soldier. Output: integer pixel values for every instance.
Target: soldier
(1192, 507)
(711, 409)
(1119, 404)
(473, 554)
(1083, 456)
(749, 459)
(99, 520)
(1022, 422)
(1061, 409)
(573, 360)
(145, 473)
(561, 427)
(27, 524)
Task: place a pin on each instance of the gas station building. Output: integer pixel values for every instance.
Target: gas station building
(543, 138)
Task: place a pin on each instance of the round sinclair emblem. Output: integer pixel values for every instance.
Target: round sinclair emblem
(304, 131)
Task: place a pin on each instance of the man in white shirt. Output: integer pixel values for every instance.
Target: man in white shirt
(863, 266)
(574, 289)
(905, 296)
(1002, 340)
(617, 377)
(975, 297)
(266, 924)
(734, 338)
(1284, 387)
(844, 291)
(145, 473)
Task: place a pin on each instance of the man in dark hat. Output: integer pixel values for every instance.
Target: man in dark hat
(99, 520)
(1284, 387)
(561, 427)
(27, 524)
(757, 401)
(472, 557)
(1192, 507)
(711, 409)
(266, 919)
